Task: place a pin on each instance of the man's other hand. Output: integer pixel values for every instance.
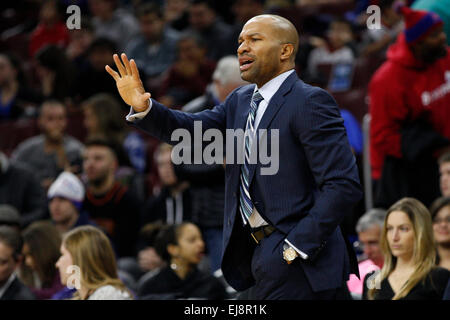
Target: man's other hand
(129, 83)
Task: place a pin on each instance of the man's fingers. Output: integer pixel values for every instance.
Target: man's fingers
(134, 70)
(113, 74)
(126, 63)
(119, 65)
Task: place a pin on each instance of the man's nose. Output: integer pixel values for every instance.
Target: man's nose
(243, 47)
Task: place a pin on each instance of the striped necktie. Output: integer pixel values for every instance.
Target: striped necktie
(246, 205)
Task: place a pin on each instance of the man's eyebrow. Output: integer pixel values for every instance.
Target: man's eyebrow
(251, 35)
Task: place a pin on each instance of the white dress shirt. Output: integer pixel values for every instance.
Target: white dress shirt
(267, 91)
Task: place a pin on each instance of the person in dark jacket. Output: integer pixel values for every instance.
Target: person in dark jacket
(20, 188)
(173, 204)
(183, 249)
(111, 205)
(66, 197)
(11, 288)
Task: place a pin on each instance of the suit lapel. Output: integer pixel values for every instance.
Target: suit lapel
(243, 108)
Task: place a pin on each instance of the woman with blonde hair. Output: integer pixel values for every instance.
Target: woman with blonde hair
(88, 263)
(409, 271)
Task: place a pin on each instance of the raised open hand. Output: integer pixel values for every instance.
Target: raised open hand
(129, 83)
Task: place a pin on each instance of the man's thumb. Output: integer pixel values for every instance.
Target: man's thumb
(146, 96)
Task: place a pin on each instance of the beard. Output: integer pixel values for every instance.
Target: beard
(54, 138)
(433, 54)
(99, 181)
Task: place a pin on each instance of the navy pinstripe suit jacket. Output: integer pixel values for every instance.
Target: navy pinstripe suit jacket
(317, 183)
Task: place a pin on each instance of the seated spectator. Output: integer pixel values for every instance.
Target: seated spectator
(369, 228)
(41, 251)
(154, 50)
(91, 78)
(182, 247)
(66, 197)
(148, 262)
(440, 213)
(90, 250)
(51, 28)
(243, 11)
(11, 288)
(176, 14)
(16, 98)
(409, 271)
(225, 79)
(20, 188)
(172, 205)
(377, 40)
(188, 77)
(216, 34)
(335, 49)
(9, 217)
(444, 170)
(113, 22)
(51, 152)
(109, 204)
(56, 74)
(79, 42)
(103, 118)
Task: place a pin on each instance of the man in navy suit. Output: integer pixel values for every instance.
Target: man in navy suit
(281, 231)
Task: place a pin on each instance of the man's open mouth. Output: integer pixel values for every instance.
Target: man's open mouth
(245, 63)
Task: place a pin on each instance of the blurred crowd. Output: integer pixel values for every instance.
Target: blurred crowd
(79, 188)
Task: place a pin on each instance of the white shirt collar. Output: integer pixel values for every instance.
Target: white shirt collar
(271, 87)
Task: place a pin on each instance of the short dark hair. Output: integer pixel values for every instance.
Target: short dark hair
(438, 204)
(192, 35)
(444, 158)
(12, 238)
(209, 3)
(149, 8)
(149, 233)
(102, 43)
(385, 4)
(101, 142)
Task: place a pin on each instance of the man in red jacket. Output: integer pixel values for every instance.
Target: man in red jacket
(414, 83)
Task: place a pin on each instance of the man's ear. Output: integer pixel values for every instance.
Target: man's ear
(287, 51)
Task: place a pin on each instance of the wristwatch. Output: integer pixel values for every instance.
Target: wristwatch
(289, 254)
